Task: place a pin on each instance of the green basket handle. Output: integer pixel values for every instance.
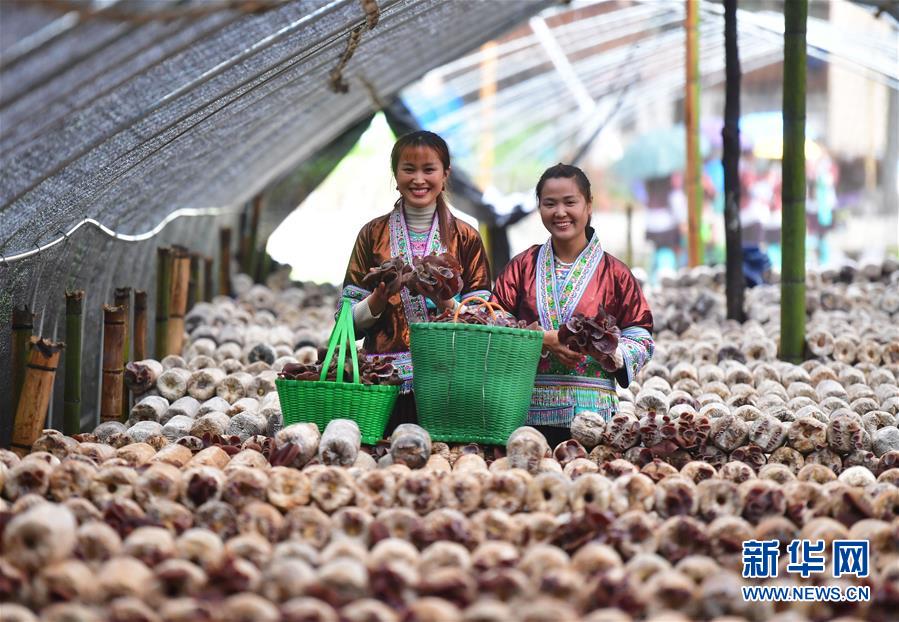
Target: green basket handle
(350, 333)
(342, 335)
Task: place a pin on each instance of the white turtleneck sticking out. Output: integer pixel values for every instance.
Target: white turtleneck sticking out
(420, 218)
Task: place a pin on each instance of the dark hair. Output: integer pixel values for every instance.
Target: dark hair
(569, 171)
(419, 139)
(423, 138)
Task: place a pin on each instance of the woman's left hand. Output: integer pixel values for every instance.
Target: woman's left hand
(566, 356)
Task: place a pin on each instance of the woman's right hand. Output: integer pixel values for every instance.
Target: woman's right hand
(567, 356)
(377, 301)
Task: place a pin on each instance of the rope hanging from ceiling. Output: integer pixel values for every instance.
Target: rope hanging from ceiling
(372, 15)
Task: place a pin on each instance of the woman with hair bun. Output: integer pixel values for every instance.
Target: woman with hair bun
(570, 273)
(419, 224)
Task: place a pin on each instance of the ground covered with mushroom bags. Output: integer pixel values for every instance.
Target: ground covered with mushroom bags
(204, 506)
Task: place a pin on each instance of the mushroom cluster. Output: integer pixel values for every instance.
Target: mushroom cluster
(595, 336)
(483, 316)
(438, 277)
(372, 370)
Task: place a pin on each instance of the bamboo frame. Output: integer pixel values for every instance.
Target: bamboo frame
(113, 363)
(225, 261)
(735, 281)
(792, 296)
(208, 279)
(693, 180)
(140, 325)
(72, 387)
(37, 388)
(195, 284)
(252, 261)
(122, 299)
(22, 327)
(487, 143)
(265, 265)
(163, 294)
(243, 239)
(178, 306)
(629, 229)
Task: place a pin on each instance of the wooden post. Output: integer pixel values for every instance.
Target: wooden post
(735, 282)
(113, 363)
(208, 279)
(163, 295)
(22, 326)
(252, 259)
(486, 141)
(123, 299)
(178, 307)
(243, 238)
(195, 284)
(265, 263)
(792, 289)
(891, 154)
(629, 249)
(693, 180)
(37, 388)
(225, 261)
(72, 389)
(140, 325)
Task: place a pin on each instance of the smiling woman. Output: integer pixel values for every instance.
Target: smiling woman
(571, 274)
(419, 224)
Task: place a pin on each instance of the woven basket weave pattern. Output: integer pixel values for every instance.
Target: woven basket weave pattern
(473, 383)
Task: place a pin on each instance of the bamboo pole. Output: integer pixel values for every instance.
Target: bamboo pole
(163, 295)
(225, 261)
(208, 279)
(178, 307)
(891, 154)
(265, 265)
(735, 282)
(140, 325)
(72, 389)
(123, 299)
(243, 239)
(792, 297)
(22, 326)
(113, 363)
(487, 140)
(693, 185)
(37, 388)
(195, 285)
(629, 248)
(253, 252)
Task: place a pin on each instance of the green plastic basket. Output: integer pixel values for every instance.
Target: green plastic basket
(322, 400)
(473, 383)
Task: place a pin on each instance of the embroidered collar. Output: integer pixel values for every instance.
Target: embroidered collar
(556, 300)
